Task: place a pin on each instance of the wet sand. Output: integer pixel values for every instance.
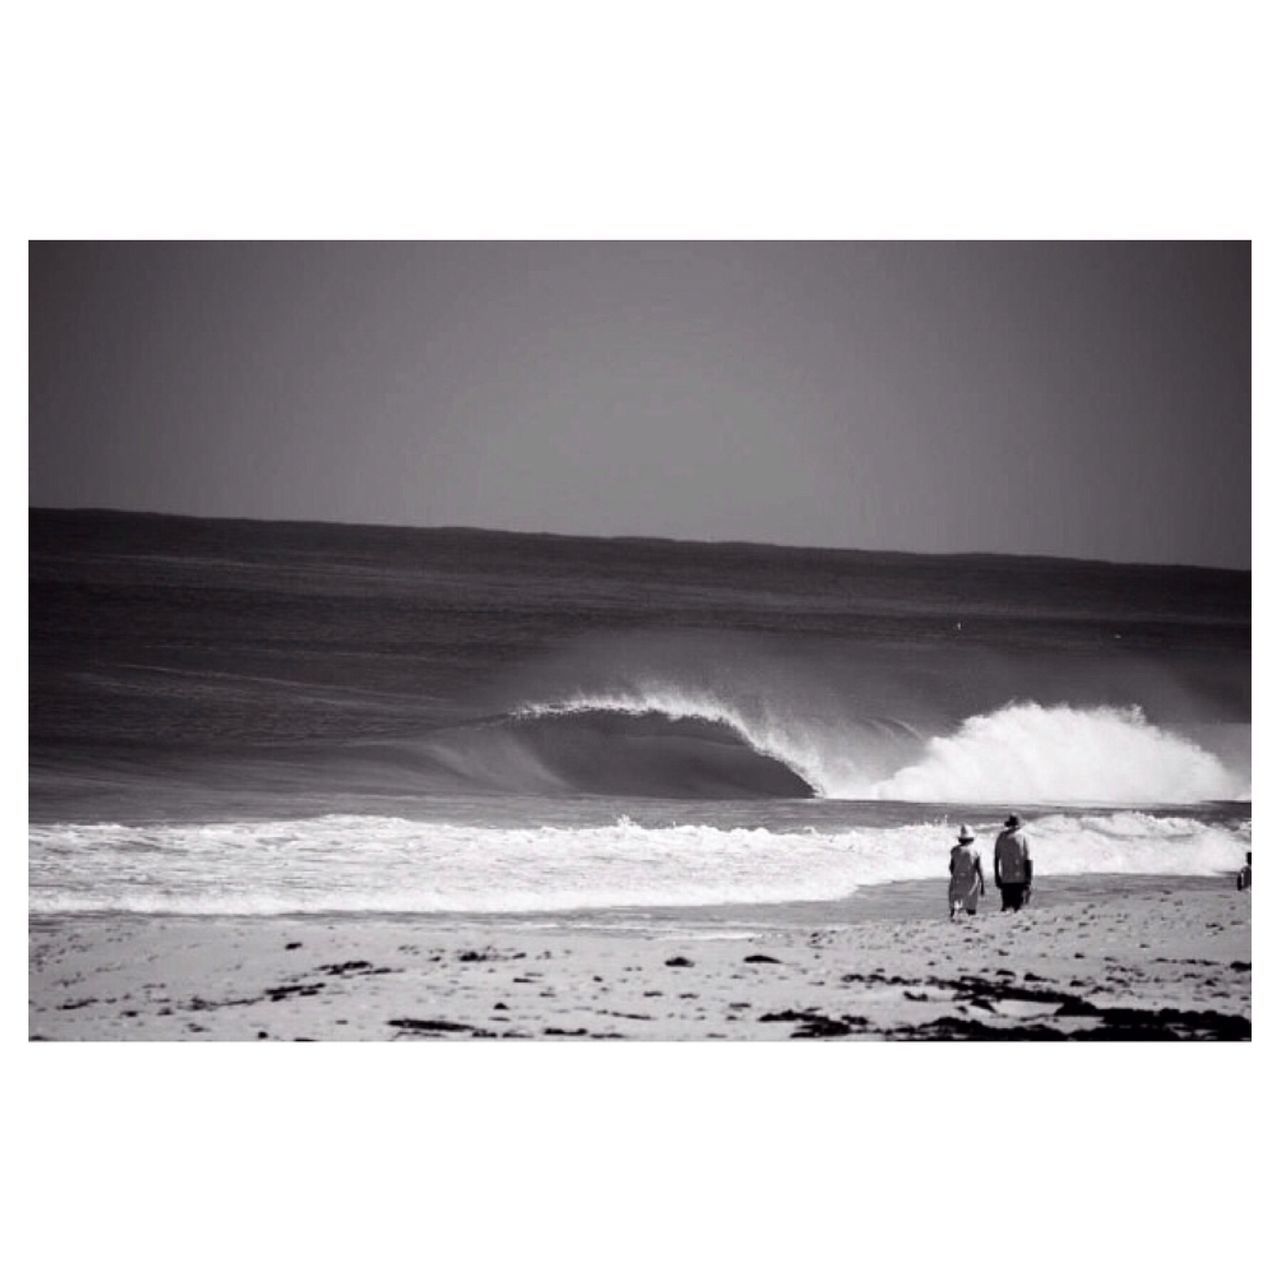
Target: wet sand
(1094, 958)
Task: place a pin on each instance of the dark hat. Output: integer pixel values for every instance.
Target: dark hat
(1013, 821)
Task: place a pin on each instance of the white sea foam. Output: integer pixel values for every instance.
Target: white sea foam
(361, 863)
(1021, 753)
(1062, 755)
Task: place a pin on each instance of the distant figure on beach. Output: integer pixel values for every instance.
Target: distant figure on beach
(967, 881)
(1244, 877)
(1013, 864)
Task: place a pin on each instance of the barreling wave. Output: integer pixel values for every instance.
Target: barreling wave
(344, 863)
(1021, 753)
(607, 750)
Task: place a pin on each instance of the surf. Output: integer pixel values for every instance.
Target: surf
(1027, 753)
(606, 751)
(383, 863)
(1019, 753)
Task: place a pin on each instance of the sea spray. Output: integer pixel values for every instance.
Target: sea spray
(1062, 755)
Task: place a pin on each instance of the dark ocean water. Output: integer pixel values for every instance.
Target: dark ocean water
(234, 715)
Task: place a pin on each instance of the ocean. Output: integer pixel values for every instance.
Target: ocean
(248, 717)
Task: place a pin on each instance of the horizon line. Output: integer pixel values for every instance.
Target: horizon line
(639, 537)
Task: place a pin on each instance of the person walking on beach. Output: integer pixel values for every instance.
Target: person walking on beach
(1244, 877)
(1013, 864)
(967, 882)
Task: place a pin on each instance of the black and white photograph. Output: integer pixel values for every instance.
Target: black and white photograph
(646, 638)
(667, 640)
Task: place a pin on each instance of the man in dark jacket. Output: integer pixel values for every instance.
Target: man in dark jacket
(1013, 864)
(1244, 877)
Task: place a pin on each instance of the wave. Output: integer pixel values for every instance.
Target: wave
(1057, 755)
(663, 743)
(607, 751)
(383, 864)
(830, 760)
(1021, 753)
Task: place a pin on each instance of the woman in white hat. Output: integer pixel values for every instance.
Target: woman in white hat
(967, 881)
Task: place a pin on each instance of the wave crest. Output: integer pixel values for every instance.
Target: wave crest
(764, 734)
(1021, 753)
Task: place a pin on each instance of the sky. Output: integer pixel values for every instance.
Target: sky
(1085, 399)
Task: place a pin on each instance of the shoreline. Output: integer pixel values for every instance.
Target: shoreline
(1108, 957)
(892, 900)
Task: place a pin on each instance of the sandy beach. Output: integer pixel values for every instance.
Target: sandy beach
(1159, 959)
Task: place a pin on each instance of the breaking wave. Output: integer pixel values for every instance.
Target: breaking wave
(390, 864)
(605, 750)
(1063, 755)
(1021, 753)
